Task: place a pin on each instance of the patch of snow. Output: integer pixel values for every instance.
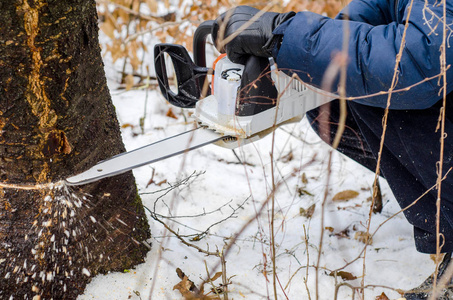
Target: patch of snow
(224, 187)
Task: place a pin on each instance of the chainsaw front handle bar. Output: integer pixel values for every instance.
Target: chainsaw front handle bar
(190, 75)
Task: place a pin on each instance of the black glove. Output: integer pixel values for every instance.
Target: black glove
(256, 39)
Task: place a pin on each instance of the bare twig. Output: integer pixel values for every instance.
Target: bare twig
(443, 63)
(323, 205)
(308, 261)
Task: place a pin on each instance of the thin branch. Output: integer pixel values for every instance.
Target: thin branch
(443, 63)
(183, 240)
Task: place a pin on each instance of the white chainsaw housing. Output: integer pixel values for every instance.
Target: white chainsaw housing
(217, 111)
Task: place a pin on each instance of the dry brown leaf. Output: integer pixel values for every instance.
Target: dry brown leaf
(134, 61)
(108, 28)
(183, 287)
(345, 195)
(329, 228)
(216, 276)
(436, 259)
(188, 289)
(161, 182)
(307, 213)
(343, 234)
(301, 191)
(116, 49)
(129, 80)
(171, 114)
(133, 58)
(288, 157)
(127, 125)
(344, 275)
(382, 296)
(173, 30)
(185, 284)
(123, 15)
(136, 5)
(362, 237)
(304, 178)
(152, 4)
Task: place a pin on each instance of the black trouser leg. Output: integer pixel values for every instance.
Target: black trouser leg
(408, 162)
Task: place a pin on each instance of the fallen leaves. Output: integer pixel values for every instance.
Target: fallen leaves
(288, 157)
(345, 195)
(363, 237)
(304, 178)
(171, 114)
(184, 288)
(188, 289)
(307, 213)
(382, 296)
(301, 191)
(343, 274)
(216, 276)
(127, 125)
(129, 80)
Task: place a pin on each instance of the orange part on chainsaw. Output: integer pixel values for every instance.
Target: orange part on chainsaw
(213, 67)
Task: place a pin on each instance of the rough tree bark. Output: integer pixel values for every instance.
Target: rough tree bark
(56, 120)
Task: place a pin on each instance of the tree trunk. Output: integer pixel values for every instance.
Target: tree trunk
(56, 120)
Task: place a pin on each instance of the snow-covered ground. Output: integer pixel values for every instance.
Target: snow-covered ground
(220, 195)
(221, 189)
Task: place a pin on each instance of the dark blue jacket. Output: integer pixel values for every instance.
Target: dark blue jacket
(376, 28)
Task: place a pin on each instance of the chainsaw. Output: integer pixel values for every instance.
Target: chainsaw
(242, 104)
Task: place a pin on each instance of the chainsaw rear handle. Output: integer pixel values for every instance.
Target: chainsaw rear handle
(257, 92)
(199, 42)
(199, 51)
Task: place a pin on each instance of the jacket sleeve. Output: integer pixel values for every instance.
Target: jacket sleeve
(373, 12)
(310, 40)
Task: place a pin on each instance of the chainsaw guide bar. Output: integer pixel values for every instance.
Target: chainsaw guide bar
(148, 154)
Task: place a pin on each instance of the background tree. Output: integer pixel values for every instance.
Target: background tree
(56, 120)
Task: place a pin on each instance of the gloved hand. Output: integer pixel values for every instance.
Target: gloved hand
(256, 39)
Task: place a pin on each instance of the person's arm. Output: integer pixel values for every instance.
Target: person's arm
(373, 12)
(310, 41)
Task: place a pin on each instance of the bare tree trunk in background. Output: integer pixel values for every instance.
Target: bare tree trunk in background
(56, 120)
